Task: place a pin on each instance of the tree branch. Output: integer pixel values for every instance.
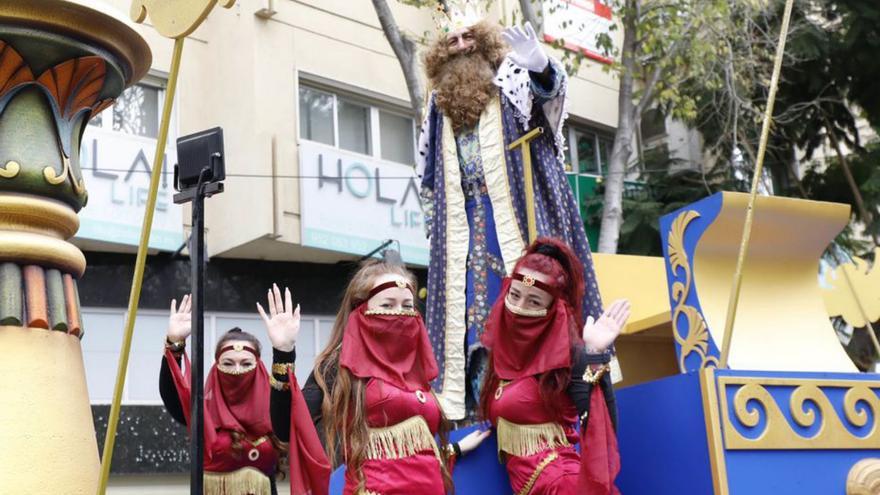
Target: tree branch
(406, 51)
(529, 13)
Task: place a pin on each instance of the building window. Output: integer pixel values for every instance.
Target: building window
(653, 125)
(135, 112)
(588, 150)
(352, 125)
(316, 116)
(397, 137)
(587, 156)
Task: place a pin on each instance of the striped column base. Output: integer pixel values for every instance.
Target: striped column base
(37, 297)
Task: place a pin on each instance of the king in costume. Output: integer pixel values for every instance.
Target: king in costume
(489, 89)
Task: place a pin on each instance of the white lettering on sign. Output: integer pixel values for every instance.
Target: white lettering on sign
(352, 203)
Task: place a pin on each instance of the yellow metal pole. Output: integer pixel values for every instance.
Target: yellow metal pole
(134, 297)
(524, 141)
(759, 168)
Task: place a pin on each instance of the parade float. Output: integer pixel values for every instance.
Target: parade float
(766, 402)
(790, 413)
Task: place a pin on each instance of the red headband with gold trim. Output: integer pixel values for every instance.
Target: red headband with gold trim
(400, 284)
(238, 346)
(530, 281)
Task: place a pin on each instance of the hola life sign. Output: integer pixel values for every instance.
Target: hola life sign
(116, 168)
(352, 203)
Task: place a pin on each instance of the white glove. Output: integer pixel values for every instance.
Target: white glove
(527, 51)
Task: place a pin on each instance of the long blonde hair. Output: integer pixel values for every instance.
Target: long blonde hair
(344, 406)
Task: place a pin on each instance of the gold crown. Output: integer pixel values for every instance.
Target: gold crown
(460, 14)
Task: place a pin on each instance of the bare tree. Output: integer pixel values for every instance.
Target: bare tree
(406, 50)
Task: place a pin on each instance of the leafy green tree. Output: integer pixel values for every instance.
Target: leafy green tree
(666, 46)
(657, 194)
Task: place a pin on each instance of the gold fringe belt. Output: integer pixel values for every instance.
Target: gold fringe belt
(526, 440)
(245, 481)
(404, 439)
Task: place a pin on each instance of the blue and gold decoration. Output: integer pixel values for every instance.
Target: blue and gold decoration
(791, 415)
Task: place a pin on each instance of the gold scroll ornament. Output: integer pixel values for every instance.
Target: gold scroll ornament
(809, 407)
(696, 340)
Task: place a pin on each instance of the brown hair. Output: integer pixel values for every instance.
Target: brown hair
(463, 81)
(488, 42)
(344, 407)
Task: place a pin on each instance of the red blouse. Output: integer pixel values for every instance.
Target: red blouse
(550, 470)
(419, 473)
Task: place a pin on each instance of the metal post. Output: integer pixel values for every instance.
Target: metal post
(197, 398)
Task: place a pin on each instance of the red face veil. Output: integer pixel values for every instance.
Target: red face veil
(235, 402)
(392, 346)
(239, 401)
(525, 345)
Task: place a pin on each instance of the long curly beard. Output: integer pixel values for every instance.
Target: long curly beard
(464, 88)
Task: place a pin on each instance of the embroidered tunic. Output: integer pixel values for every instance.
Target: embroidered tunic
(539, 452)
(402, 455)
(397, 419)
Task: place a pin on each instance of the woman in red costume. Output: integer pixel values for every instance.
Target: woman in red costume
(546, 388)
(370, 391)
(247, 423)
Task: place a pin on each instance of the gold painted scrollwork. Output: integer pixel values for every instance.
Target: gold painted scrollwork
(809, 407)
(66, 171)
(55, 178)
(696, 339)
(10, 170)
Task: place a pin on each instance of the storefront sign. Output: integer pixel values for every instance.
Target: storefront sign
(116, 168)
(352, 203)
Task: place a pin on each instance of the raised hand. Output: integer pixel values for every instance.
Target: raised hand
(282, 322)
(180, 320)
(527, 51)
(600, 334)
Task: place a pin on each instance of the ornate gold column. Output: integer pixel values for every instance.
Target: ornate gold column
(61, 62)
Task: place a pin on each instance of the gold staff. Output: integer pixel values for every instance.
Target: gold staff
(524, 142)
(759, 167)
(173, 20)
